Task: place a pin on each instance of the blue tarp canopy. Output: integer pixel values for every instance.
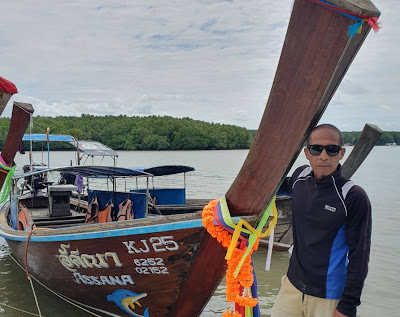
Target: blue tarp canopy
(112, 171)
(50, 137)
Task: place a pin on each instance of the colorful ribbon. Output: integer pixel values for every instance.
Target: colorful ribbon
(354, 28)
(9, 170)
(220, 225)
(254, 234)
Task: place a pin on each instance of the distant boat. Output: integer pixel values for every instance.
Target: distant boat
(391, 144)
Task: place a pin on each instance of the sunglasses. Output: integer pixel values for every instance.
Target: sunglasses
(331, 149)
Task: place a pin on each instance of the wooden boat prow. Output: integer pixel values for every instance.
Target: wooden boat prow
(316, 54)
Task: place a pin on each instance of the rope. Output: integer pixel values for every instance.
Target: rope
(35, 297)
(27, 272)
(21, 310)
(9, 170)
(57, 294)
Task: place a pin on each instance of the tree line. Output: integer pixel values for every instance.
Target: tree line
(140, 133)
(386, 137)
(155, 133)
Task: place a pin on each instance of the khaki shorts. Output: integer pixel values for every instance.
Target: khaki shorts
(290, 302)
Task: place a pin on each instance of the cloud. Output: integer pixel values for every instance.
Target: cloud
(208, 60)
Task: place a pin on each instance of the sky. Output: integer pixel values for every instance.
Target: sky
(213, 61)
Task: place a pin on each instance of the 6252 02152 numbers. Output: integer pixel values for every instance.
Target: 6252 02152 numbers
(150, 266)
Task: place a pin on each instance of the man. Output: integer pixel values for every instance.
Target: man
(331, 233)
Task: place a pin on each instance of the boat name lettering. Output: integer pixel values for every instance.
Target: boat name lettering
(159, 244)
(74, 260)
(103, 280)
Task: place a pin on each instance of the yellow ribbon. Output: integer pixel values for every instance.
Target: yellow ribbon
(254, 235)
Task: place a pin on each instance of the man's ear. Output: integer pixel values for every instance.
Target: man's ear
(342, 151)
(306, 153)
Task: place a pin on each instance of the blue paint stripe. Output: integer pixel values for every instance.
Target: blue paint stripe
(336, 275)
(109, 233)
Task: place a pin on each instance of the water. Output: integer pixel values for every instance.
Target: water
(215, 171)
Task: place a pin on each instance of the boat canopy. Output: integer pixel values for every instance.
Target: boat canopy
(113, 171)
(94, 148)
(166, 169)
(49, 137)
(90, 148)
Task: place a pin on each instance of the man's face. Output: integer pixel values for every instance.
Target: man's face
(323, 164)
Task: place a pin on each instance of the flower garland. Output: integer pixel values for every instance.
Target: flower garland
(245, 276)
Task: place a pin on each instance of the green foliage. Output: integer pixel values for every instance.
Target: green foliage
(140, 133)
(154, 133)
(389, 137)
(351, 137)
(386, 137)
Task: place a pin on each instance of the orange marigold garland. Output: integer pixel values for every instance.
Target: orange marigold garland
(245, 277)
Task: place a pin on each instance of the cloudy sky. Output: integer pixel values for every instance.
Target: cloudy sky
(210, 60)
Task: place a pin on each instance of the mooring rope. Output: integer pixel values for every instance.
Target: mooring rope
(27, 272)
(55, 293)
(18, 309)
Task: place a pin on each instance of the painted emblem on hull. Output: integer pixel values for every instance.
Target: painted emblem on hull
(126, 300)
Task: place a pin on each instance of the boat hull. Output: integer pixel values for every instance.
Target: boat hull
(128, 271)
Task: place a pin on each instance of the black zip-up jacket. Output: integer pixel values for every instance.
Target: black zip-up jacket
(332, 237)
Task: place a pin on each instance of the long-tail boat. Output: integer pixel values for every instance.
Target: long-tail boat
(170, 265)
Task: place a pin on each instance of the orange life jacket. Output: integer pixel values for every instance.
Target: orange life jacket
(25, 221)
(93, 211)
(125, 210)
(105, 215)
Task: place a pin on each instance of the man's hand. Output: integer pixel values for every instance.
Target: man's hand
(337, 314)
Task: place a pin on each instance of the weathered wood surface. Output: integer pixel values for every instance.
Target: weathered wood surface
(19, 121)
(360, 7)
(365, 143)
(316, 55)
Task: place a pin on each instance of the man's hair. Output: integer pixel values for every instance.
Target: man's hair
(328, 126)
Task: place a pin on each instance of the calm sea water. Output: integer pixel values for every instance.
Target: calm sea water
(215, 171)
